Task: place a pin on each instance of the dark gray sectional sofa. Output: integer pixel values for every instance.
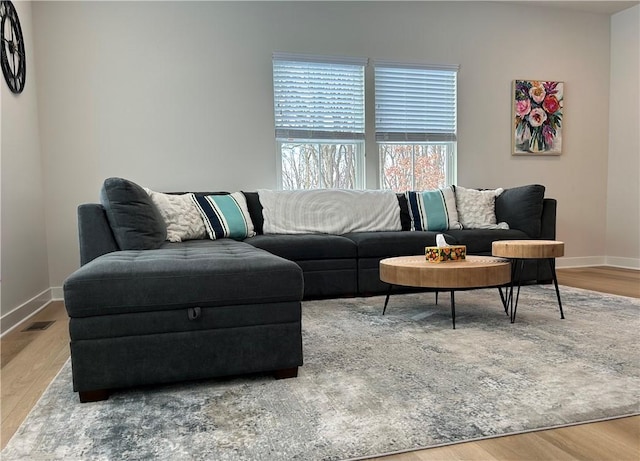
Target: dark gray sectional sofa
(348, 265)
(207, 308)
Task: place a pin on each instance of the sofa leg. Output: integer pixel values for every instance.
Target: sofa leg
(286, 373)
(93, 396)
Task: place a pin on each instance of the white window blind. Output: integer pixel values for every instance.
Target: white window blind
(415, 103)
(317, 97)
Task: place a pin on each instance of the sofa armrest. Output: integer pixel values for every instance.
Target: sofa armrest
(548, 231)
(94, 231)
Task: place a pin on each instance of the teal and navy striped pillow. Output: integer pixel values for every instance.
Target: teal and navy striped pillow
(433, 210)
(225, 215)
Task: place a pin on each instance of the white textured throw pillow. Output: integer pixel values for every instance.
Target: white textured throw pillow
(477, 208)
(181, 216)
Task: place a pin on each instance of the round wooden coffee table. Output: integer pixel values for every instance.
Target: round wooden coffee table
(519, 251)
(472, 272)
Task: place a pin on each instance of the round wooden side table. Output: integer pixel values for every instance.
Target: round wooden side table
(520, 250)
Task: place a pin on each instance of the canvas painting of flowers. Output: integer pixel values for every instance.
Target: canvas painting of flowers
(537, 120)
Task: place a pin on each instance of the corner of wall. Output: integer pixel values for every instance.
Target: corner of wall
(20, 314)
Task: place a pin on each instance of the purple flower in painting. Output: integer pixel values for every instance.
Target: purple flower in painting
(549, 134)
(550, 87)
(522, 90)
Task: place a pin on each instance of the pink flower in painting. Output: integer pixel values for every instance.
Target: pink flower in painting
(523, 107)
(551, 104)
(537, 92)
(537, 117)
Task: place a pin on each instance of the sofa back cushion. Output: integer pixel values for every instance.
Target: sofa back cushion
(405, 216)
(134, 219)
(255, 210)
(521, 208)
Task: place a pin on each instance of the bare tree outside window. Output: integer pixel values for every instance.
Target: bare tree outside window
(319, 165)
(413, 166)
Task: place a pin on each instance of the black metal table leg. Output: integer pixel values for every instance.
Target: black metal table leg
(509, 296)
(518, 275)
(514, 265)
(386, 301)
(453, 309)
(504, 297)
(552, 264)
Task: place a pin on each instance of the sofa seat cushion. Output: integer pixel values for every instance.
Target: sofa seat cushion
(197, 273)
(304, 247)
(329, 278)
(480, 240)
(392, 243)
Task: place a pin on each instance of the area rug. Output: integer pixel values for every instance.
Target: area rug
(372, 384)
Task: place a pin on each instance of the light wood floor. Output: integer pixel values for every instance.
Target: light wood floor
(30, 361)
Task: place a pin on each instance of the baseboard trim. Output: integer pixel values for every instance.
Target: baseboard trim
(12, 319)
(590, 261)
(584, 261)
(625, 263)
(57, 294)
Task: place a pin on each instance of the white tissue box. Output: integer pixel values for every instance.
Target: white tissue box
(450, 253)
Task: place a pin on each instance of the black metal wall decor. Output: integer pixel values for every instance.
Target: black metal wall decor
(12, 55)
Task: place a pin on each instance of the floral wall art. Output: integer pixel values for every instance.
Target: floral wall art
(537, 121)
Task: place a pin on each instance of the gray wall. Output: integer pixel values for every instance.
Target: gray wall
(178, 96)
(25, 270)
(623, 191)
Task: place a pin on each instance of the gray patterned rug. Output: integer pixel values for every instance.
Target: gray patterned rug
(372, 385)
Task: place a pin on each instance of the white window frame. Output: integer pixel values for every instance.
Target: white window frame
(399, 120)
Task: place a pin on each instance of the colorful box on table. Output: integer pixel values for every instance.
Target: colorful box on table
(450, 253)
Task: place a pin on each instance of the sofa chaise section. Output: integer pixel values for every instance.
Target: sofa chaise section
(193, 310)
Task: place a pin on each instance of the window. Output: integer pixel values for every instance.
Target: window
(319, 121)
(415, 125)
(416, 166)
